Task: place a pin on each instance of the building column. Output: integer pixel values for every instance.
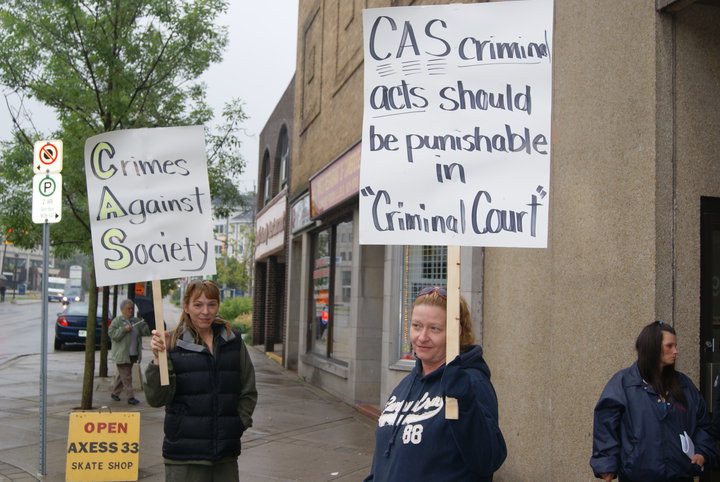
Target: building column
(271, 304)
(259, 290)
(282, 303)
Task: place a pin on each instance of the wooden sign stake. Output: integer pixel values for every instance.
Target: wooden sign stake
(452, 341)
(160, 328)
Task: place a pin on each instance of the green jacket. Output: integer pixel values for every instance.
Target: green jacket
(120, 353)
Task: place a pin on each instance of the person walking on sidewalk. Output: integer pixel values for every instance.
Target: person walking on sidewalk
(413, 439)
(126, 331)
(643, 414)
(211, 396)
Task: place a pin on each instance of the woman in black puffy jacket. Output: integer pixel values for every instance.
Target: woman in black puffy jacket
(211, 396)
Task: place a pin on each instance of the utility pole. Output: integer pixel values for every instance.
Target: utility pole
(2, 261)
(225, 260)
(15, 281)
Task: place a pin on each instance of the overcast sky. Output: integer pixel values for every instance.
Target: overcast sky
(258, 65)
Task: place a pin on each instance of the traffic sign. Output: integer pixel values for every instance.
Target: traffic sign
(47, 198)
(47, 156)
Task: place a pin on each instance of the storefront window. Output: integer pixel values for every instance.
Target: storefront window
(340, 347)
(283, 155)
(331, 275)
(422, 266)
(321, 292)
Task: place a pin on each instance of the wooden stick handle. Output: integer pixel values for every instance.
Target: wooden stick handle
(452, 340)
(160, 328)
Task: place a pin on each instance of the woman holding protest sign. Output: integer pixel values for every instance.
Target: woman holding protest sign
(211, 396)
(651, 422)
(414, 440)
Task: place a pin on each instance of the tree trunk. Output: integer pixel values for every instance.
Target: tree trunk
(103, 370)
(88, 377)
(115, 300)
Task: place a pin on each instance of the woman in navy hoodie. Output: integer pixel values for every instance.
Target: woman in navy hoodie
(414, 440)
(642, 412)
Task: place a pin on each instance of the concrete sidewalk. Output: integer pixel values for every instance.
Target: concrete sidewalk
(300, 433)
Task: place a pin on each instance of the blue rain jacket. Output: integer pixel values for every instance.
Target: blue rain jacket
(638, 435)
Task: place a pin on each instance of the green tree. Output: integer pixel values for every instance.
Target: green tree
(247, 259)
(232, 274)
(103, 66)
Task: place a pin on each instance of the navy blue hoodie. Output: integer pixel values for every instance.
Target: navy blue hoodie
(414, 441)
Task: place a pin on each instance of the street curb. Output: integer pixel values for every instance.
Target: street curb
(274, 357)
(15, 357)
(14, 474)
(368, 410)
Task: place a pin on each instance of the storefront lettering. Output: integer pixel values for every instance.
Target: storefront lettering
(270, 229)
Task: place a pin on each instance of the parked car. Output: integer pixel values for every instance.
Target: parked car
(73, 295)
(71, 325)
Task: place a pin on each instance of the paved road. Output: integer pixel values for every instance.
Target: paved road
(300, 433)
(20, 327)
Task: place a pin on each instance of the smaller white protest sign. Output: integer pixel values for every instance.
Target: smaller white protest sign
(149, 204)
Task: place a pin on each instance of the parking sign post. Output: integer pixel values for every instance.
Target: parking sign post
(46, 209)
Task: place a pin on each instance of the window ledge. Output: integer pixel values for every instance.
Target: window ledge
(403, 365)
(336, 367)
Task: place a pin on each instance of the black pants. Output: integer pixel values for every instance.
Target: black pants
(218, 472)
(622, 478)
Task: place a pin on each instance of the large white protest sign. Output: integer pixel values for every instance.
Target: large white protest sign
(456, 129)
(149, 204)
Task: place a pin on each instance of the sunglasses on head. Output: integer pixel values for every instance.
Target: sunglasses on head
(202, 282)
(433, 289)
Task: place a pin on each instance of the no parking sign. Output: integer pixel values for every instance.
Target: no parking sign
(47, 156)
(47, 182)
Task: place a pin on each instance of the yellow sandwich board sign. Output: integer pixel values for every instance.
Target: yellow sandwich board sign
(103, 446)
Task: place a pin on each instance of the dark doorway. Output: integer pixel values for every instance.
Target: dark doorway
(710, 308)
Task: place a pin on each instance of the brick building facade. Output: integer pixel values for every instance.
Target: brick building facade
(633, 226)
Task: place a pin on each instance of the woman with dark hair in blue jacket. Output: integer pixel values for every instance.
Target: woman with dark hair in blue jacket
(642, 414)
(414, 440)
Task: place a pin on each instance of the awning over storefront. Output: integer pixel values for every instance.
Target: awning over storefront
(270, 228)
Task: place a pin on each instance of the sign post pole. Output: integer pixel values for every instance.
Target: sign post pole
(44, 349)
(160, 328)
(46, 208)
(452, 340)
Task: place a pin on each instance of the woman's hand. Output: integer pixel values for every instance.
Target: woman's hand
(607, 477)
(157, 344)
(698, 459)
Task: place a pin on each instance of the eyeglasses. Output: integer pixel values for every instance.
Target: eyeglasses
(433, 289)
